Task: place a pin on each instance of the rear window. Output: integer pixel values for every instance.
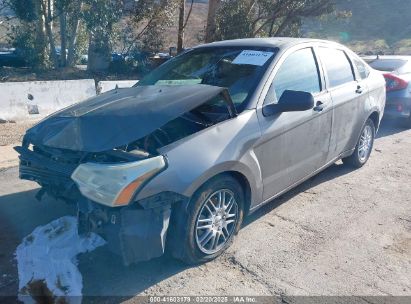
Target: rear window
(337, 66)
(387, 65)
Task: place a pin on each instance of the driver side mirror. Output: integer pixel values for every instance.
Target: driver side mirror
(290, 101)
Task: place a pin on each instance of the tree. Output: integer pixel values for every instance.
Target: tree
(47, 12)
(213, 6)
(37, 18)
(30, 35)
(182, 23)
(69, 17)
(149, 20)
(100, 17)
(259, 18)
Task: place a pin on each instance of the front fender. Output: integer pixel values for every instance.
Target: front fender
(227, 146)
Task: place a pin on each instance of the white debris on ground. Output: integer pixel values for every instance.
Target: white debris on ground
(47, 262)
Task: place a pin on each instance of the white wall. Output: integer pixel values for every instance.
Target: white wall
(105, 86)
(49, 96)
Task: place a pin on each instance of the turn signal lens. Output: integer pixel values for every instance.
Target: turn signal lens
(126, 195)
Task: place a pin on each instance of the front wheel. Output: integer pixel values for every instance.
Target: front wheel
(207, 226)
(364, 146)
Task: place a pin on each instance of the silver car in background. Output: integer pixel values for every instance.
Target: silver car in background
(397, 73)
(177, 161)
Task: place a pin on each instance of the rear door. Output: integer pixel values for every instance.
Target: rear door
(347, 95)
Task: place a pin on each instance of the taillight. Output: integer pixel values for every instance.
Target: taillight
(395, 83)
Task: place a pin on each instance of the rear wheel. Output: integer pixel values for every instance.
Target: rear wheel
(207, 226)
(364, 146)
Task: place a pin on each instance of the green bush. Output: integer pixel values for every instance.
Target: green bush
(23, 38)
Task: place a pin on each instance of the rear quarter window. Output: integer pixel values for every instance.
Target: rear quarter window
(337, 66)
(362, 68)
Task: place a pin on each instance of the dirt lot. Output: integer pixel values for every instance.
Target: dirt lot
(12, 133)
(343, 232)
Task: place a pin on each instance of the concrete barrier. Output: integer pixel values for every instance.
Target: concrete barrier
(34, 100)
(105, 86)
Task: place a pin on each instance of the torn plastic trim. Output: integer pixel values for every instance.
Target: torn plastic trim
(137, 232)
(162, 199)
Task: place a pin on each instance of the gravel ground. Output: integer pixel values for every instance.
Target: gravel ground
(343, 232)
(12, 133)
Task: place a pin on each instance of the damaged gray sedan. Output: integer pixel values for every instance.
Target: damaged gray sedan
(178, 160)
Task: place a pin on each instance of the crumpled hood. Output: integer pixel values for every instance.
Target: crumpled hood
(118, 117)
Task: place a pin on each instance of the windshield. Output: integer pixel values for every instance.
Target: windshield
(237, 68)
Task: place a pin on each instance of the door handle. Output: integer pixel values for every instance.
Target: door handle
(359, 90)
(319, 106)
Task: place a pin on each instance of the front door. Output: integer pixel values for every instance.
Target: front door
(294, 144)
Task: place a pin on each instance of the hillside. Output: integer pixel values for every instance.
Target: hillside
(372, 26)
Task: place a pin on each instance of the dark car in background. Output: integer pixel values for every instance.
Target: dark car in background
(12, 58)
(397, 74)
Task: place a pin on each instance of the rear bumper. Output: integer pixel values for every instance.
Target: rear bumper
(397, 107)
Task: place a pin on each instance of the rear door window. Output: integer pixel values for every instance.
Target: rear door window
(299, 72)
(337, 66)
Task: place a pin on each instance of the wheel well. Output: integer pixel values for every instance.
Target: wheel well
(375, 117)
(245, 185)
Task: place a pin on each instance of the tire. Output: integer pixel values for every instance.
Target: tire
(186, 236)
(363, 149)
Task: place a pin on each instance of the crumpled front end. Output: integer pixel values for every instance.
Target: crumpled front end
(101, 153)
(136, 231)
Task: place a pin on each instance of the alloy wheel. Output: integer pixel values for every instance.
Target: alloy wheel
(365, 144)
(216, 221)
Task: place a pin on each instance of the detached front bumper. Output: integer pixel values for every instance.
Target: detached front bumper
(136, 232)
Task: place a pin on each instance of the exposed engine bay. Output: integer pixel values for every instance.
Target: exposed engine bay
(189, 123)
(52, 167)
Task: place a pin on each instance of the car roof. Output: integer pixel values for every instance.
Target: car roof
(278, 42)
(387, 57)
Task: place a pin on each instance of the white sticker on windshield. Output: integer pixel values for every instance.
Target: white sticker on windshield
(253, 57)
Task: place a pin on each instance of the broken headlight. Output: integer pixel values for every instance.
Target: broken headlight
(114, 185)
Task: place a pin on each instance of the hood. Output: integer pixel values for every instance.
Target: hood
(118, 117)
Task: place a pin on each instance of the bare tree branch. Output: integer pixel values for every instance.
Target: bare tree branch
(188, 14)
